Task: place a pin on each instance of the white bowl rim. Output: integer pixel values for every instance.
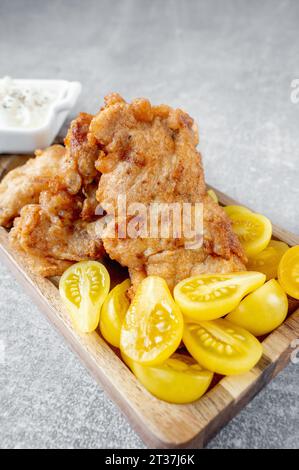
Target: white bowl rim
(72, 91)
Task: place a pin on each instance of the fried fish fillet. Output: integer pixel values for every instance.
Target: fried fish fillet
(52, 201)
(59, 229)
(35, 233)
(72, 167)
(24, 184)
(148, 153)
(143, 152)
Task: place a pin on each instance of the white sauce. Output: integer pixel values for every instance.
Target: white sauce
(24, 106)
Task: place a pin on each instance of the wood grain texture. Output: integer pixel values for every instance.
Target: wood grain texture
(161, 425)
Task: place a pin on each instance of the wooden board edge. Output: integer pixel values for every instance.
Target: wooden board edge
(232, 407)
(148, 438)
(204, 435)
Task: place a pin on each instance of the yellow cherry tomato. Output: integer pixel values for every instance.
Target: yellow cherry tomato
(263, 310)
(222, 347)
(113, 313)
(254, 230)
(179, 380)
(211, 296)
(268, 260)
(288, 272)
(153, 326)
(83, 288)
(230, 210)
(213, 195)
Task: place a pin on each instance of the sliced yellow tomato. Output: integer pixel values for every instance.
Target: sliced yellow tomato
(213, 195)
(268, 260)
(153, 326)
(288, 272)
(263, 310)
(222, 347)
(230, 210)
(83, 288)
(179, 380)
(211, 296)
(113, 313)
(254, 230)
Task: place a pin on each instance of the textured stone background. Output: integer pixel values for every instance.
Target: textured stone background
(230, 64)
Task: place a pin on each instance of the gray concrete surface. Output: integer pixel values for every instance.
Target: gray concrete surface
(230, 64)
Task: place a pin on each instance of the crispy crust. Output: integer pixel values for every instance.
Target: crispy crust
(145, 152)
(148, 153)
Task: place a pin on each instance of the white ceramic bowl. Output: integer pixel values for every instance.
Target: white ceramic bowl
(18, 140)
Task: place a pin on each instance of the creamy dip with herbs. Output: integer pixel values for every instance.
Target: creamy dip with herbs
(24, 105)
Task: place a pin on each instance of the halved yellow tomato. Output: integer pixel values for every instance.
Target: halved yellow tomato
(113, 313)
(222, 347)
(211, 296)
(179, 380)
(263, 310)
(254, 230)
(233, 209)
(268, 260)
(153, 326)
(213, 195)
(288, 272)
(83, 288)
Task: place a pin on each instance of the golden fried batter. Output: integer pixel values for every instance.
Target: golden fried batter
(24, 184)
(148, 153)
(143, 152)
(35, 233)
(53, 199)
(71, 168)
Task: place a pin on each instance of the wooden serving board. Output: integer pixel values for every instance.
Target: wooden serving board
(161, 425)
